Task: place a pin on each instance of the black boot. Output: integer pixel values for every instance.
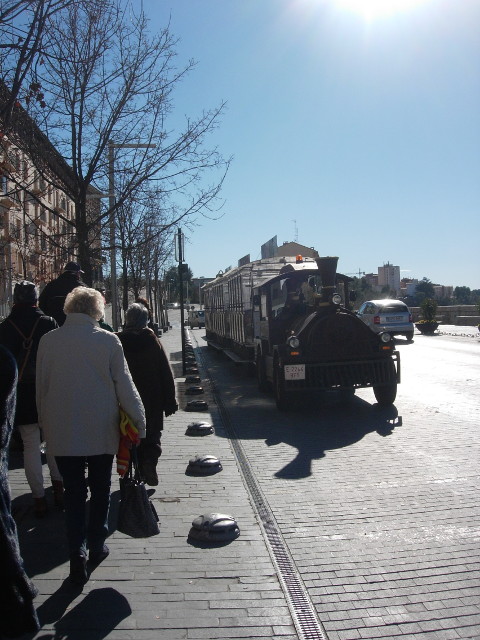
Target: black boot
(58, 497)
(78, 570)
(149, 473)
(96, 557)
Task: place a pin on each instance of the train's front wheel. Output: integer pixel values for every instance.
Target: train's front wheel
(261, 374)
(386, 394)
(281, 396)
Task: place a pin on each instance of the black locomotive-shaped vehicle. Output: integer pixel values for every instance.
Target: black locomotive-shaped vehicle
(291, 319)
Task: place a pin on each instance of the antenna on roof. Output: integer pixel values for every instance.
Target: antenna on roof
(295, 228)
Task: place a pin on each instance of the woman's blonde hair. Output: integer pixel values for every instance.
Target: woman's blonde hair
(85, 300)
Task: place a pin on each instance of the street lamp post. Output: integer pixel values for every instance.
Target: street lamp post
(179, 250)
(200, 282)
(113, 253)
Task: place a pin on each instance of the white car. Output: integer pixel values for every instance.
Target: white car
(392, 316)
(196, 319)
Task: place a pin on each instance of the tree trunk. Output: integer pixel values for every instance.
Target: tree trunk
(84, 253)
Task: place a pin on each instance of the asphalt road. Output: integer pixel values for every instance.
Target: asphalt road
(378, 507)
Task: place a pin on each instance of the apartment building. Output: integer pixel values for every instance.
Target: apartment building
(37, 231)
(389, 276)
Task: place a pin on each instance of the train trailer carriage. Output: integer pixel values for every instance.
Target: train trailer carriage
(291, 319)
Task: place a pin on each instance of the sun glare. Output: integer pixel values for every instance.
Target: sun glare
(371, 9)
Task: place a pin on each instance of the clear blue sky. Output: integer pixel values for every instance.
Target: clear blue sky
(354, 125)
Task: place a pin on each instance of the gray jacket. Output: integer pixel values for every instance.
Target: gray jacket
(82, 378)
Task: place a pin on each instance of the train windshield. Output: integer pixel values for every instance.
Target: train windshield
(294, 290)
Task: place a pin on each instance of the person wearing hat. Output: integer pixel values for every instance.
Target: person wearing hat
(20, 333)
(52, 298)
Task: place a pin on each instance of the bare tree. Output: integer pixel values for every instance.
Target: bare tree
(22, 45)
(145, 236)
(109, 88)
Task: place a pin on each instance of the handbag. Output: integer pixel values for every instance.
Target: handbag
(137, 516)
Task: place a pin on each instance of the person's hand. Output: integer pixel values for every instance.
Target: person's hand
(171, 409)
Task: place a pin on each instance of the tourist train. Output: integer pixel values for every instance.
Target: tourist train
(291, 319)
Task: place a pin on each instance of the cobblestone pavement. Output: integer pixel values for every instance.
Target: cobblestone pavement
(163, 587)
(169, 588)
(378, 507)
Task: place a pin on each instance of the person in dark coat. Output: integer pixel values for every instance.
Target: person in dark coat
(20, 333)
(52, 298)
(16, 589)
(150, 323)
(152, 375)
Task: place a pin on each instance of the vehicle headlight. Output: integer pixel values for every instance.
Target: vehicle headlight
(385, 337)
(336, 298)
(293, 342)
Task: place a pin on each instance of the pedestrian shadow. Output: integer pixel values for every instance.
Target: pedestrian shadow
(42, 541)
(177, 369)
(15, 459)
(93, 618)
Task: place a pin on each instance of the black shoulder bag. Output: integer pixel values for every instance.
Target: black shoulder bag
(137, 517)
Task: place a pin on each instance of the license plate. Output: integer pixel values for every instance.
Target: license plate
(394, 319)
(294, 372)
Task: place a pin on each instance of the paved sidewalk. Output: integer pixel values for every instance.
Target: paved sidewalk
(164, 587)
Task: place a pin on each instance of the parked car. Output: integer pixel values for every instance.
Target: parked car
(392, 316)
(196, 318)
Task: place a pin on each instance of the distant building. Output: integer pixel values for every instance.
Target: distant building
(37, 217)
(197, 284)
(371, 279)
(289, 249)
(443, 292)
(408, 286)
(389, 276)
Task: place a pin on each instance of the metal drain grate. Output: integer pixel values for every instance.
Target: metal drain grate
(303, 612)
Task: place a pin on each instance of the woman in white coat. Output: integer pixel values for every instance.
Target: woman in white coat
(82, 379)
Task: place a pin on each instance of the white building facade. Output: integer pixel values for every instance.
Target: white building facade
(389, 276)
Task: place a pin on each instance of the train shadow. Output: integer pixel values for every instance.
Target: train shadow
(337, 427)
(313, 427)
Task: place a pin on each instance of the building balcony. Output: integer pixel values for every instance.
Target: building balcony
(61, 205)
(39, 187)
(8, 161)
(9, 200)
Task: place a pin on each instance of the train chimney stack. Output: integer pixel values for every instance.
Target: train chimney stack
(327, 267)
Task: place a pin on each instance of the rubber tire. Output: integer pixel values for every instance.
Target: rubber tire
(281, 396)
(386, 394)
(261, 375)
(409, 336)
